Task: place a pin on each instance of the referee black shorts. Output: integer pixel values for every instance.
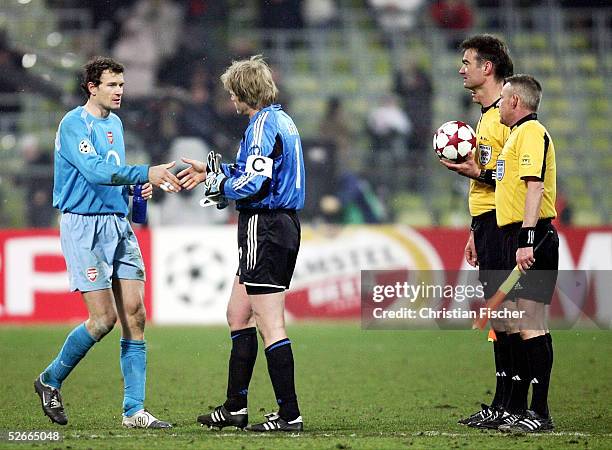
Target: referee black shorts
(268, 245)
(488, 243)
(539, 282)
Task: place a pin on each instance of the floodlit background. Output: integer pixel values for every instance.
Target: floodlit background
(367, 82)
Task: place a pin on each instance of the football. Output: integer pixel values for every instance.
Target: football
(454, 140)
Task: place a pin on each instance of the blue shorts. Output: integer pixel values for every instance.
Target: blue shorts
(98, 248)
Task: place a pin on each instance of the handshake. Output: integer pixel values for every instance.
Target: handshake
(212, 176)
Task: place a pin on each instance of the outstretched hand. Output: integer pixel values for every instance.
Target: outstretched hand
(192, 175)
(467, 168)
(161, 177)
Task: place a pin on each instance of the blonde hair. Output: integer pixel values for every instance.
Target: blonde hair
(251, 81)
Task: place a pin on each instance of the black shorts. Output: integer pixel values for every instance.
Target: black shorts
(488, 243)
(540, 281)
(268, 245)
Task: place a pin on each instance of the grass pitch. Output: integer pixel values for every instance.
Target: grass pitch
(357, 389)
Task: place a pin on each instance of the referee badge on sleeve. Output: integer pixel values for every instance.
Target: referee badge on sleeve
(484, 153)
(501, 169)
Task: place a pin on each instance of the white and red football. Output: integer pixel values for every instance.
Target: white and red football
(454, 140)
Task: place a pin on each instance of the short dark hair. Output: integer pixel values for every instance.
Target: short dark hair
(92, 71)
(490, 48)
(528, 89)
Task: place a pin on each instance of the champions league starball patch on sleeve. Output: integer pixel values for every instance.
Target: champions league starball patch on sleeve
(86, 147)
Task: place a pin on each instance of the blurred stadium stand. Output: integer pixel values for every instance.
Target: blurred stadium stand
(349, 56)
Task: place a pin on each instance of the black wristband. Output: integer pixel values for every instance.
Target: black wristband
(473, 224)
(526, 237)
(487, 176)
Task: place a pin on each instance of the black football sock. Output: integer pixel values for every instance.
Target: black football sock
(280, 368)
(550, 348)
(539, 356)
(517, 403)
(506, 365)
(498, 348)
(241, 363)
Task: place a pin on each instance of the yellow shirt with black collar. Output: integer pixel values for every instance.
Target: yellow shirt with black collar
(490, 138)
(528, 152)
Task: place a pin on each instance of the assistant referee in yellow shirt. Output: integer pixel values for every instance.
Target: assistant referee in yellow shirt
(525, 206)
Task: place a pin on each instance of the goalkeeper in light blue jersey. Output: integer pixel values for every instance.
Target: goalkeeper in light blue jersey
(104, 262)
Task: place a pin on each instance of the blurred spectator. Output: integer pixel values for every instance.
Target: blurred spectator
(334, 129)
(389, 125)
(283, 98)
(231, 123)
(454, 16)
(321, 166)
(199, 118)
(414, 87)
(565, 214)
(206, 29)
(149, 34)
(36, 178)
(389, 128)
(396, 14)
(280, 14)
(415, 90)
(360, 204)
(136, 48)
(14, 77)
(320, 13)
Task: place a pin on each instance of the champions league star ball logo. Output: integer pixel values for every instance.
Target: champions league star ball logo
(454, 140)
(196, 274)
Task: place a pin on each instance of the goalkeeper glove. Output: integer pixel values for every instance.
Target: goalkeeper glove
(212, 184)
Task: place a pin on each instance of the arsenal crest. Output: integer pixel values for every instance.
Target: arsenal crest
(92, 274)
(109, 136)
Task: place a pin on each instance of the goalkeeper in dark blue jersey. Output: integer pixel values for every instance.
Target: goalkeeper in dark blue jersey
(267, 183)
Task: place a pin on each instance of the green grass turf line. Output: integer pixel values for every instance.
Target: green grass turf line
(357, 389)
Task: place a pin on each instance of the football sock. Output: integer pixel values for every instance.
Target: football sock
(517, 402)
(550, 348)
(506, 366)
(241, 363)
(78, 342)
(133, 363)
(539, 356)
(280, 368)
(498, 348)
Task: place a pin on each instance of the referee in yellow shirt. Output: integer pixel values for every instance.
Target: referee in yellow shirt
(485, 64)
(524, 202)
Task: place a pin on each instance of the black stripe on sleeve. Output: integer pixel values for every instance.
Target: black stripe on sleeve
(546, 145)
